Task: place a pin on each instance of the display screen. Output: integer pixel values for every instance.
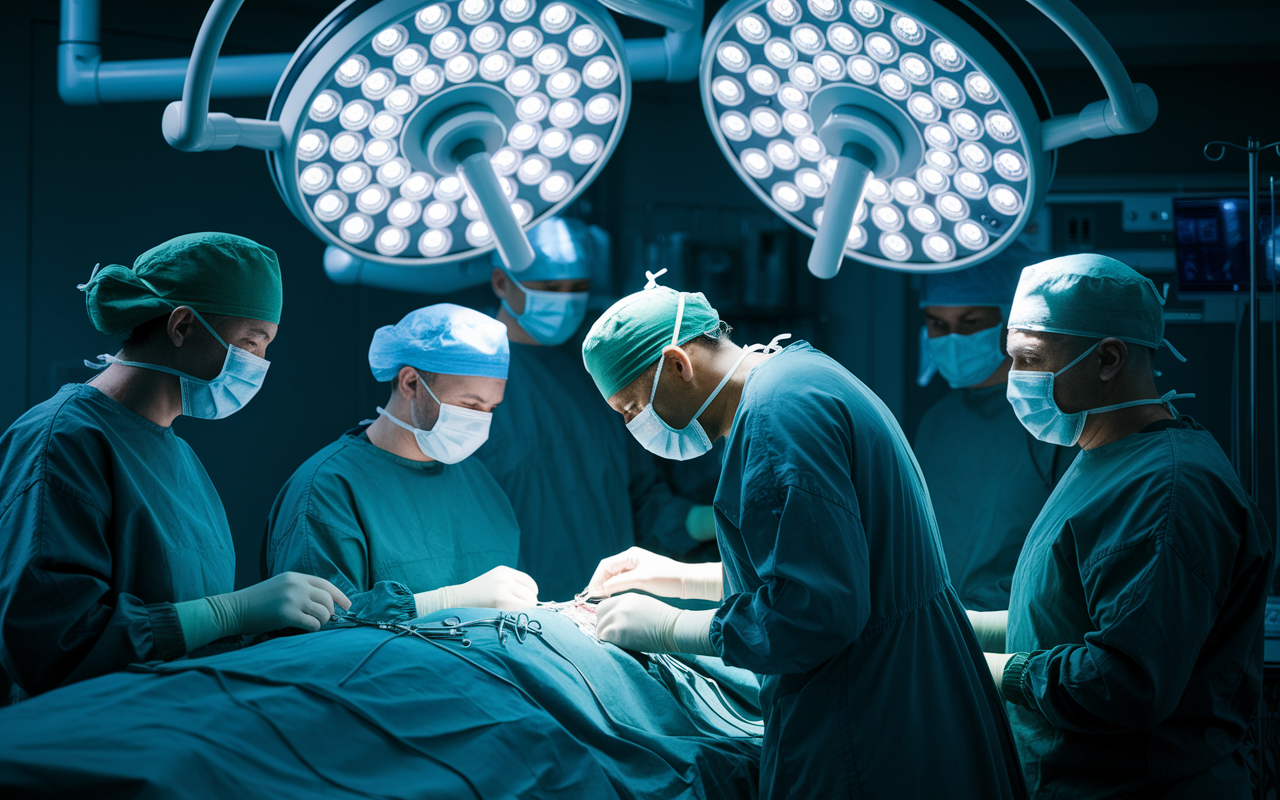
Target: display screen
(1212, 239)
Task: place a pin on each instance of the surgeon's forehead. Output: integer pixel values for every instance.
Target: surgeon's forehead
(634, 393)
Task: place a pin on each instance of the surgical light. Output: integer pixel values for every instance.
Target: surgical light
(923, 110)
(397, 113)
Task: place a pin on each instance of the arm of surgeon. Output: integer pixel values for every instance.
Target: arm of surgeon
(288, 600)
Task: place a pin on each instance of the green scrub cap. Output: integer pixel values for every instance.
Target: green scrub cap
(213, 273)
(629, 337)
(1091, 296)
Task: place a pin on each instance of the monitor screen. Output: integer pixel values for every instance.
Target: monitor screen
(1212, 241)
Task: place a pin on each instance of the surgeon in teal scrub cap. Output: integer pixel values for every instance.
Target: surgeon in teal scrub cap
(114, 545)
(399, 501)
(988, 477)
(581, 488)
(1130, 657)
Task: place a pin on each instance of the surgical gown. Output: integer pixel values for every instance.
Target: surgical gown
(356, 514)
(1139, 596)
(837, 594)
(581, 487)
(106, 520)
(988, 479)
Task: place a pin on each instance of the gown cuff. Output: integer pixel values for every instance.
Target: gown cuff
(166, 631)
(1011, 681)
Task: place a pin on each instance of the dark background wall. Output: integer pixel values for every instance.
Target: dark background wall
(98, 184)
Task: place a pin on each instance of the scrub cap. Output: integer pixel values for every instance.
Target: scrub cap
(213, 273)
(443, 338)
(630, 336)
(562, 250)
(991, 283)
(1091, 296)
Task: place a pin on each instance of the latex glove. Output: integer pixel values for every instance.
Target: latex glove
(501, 587)
(288, 600)
(990, 627)
(700, 522)
(638, 568)
(996, 663)
(646, 624)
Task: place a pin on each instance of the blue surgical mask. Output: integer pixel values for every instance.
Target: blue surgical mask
(967, 360)
(549, 317)
(240, 379)
(1031, 395)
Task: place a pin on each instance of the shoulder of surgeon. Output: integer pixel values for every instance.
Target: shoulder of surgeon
(323, 484)
(67, 440)
(802, 379)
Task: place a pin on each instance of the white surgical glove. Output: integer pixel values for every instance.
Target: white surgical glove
(638, 568)
(648, 625)
(990, 626)
(287, 600)
(501, 587)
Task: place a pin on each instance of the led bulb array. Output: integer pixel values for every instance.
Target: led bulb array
(776, 56)
(565, 81)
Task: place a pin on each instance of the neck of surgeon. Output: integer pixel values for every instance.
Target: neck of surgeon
(694, 371)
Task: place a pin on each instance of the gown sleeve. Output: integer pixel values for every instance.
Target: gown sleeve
(659, 515)
(60, 619)
(1130, 672)
(811, 553)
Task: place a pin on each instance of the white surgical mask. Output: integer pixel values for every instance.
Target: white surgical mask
(549, 317)
(1031, 395)
(240, 379)
(691, 441)
(457, 434)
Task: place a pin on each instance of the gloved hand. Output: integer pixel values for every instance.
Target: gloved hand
(989, 627)
(646, 624)
(501, 587)
(288, 600)
(638, 568)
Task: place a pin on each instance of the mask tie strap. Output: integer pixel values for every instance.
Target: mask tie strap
(84, 287)
(746, 351)
(772, 346)
(1174, 350)
(653, 278)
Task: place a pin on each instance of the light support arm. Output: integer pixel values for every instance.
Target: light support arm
(476, 172)
(85, 79)
(1129, 108)
(187, 124)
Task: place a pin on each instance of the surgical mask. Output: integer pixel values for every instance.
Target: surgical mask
(240, 379)
(549, 317)
(967, 360)
(691, 441)
(457, 434)
(1031, 395)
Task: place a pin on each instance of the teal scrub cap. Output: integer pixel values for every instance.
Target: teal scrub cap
(1092, 296)
(444, 338)
(563, 249)
(213, 273)
(991, 283)
(629, 337)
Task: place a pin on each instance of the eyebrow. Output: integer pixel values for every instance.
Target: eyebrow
(260, 332)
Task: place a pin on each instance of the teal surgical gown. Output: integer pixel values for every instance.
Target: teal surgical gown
(836, 593)
(988, 479)
(581, 487)
(106, 519)
(1139, 596)
(355, 514)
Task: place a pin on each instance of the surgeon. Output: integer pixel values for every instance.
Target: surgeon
(1131, 654)
(833, 587)
(581, 488)
(987, 476)
(400, 501)
(114, 545)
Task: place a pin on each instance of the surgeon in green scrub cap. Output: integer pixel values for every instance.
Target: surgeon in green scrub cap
(833, 587)
(1130, 657)
(114, 546)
